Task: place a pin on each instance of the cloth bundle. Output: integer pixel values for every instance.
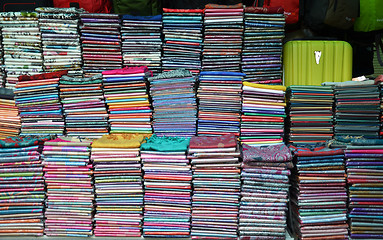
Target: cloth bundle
(61, 39)
(222, 44)
(127, 98)
(264, 192)
(68, 178)
(310, 114)
(167, 181)
(216, 186)
(174, 103)
(37, 98)
(101, 42)
(263, 114)
(182, 39)
(219, 95)
(262, 45)
(118, 185)
(21, 38)
(84, 106)
(10, 122)
(141, 41)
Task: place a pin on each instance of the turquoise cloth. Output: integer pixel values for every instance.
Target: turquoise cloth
(165, 144)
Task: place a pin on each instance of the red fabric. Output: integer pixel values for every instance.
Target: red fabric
(264, 10)
(42, 76)
(92, 6)
(211, 5)
(224, 141)
(291, 8)
(170, 10)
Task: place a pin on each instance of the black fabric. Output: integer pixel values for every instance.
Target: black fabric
(23, 5)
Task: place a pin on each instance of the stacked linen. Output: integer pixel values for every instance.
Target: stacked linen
(167, 181)
(101, 42)
(22, 192)
(262, 47)
(37, 98)
(118, 185)
(9, 119)
(60, 39)
(174, 103)
(141, 41)
(84, 106)
(222, 44)
(126, 95)
(216, 186)
(263, 114)
(68, 177)
(22, 45)
(310, 113)
(319, 194)
(265, 188)
(381, 109)
(219, 95)
(182, 39)
(2, 70)
(364, 160)
(357, 109)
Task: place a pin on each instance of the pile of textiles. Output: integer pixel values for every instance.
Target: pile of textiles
(357, 109)
(365, 184)
(126, 96)
(118, 185)
(60, 39)
(264, 192)
(84, 106)
(9, 119)
(141, 41)
(319, 194)
(21, 45)
(263, 114)
(381, 109)
(219, 96)
(37, 98)
(262, 47)
(68, 178)
(101, 42)
(174, 103)
(21, 187)
(216, 186)
(222, 44)
(182, 39)
(167, 181)
(2, 70)
(310, 114)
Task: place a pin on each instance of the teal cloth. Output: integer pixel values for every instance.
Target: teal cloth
(165, 144)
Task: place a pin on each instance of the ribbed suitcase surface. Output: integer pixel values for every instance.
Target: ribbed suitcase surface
(311, 62)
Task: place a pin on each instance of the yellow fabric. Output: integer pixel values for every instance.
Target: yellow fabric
(264, 86)
(120, 140)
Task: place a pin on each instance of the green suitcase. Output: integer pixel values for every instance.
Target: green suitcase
(312, 62)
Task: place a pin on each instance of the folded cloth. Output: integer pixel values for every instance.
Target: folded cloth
(272, 153)
(252, 9)
(42, 76)
(165, 144)
(225, 141)
(142, 18)
(120, 140)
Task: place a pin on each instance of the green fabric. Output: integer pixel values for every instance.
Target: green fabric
(371, 16)
(138, 7)
(165, 144)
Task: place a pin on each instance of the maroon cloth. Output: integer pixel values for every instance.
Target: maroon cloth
(264, 10)
(318, 151)
(225, 141)
(42, 76)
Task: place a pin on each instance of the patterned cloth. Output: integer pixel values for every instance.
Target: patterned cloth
(123, 140)
(272, 153)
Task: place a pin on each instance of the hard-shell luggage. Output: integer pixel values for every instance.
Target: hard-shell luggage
(312, 62)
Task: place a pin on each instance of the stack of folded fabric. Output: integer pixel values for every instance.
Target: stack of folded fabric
(9, 119)
(263, 114)
(310, 113)
(262, 51)
(2, 70)
(141, 41)
(222, 44)
(22, 45)
(68, 177)
(357, 109)
(118, 185)
(182, 39)
(22, 187)
(174, 103)
(381, 109)
(84, 106)
(60, 39)
(126, 95)
(167, 181)
(319, 194)
(219, 96)
(265, 188)
(37, 98)
(216, 186)
(365, 184)
(101, 42)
